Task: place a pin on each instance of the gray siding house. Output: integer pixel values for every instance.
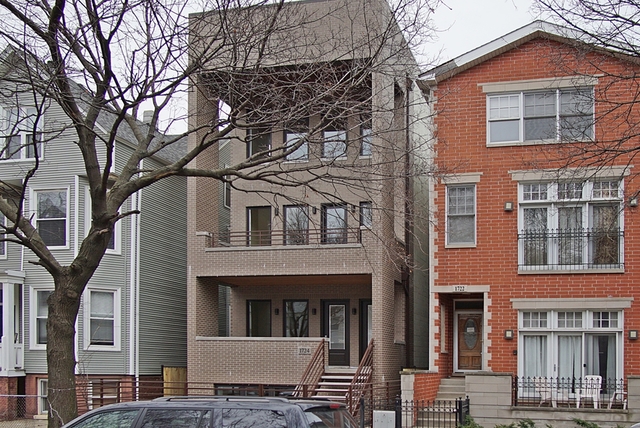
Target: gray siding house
(132, 319)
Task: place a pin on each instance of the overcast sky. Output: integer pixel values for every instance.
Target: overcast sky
(468, 24)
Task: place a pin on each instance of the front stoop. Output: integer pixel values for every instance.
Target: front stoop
(335, 383)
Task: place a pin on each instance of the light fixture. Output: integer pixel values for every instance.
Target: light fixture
(508, 206)
(633, 334)
(277, 311)
(508, 334)
(276, 211)
(313, 311)
(633, 201)
(314, 210)
(354, 311)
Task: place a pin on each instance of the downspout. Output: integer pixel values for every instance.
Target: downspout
(408, 236)
(76, 241)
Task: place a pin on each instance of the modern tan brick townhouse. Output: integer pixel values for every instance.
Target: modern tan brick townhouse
(280, 271)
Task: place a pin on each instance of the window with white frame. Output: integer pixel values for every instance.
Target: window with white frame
(366, 214)
(20, 132)
(544, 115)
(570, 225)
(114, 245)
(40, 312)
(52, 216)
(102, 315)
(258, 143)
(43, 393)
(461, 214)
(570, 344)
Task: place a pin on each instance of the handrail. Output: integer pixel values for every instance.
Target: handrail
(312, 374)
(361, 380)
(279, 238)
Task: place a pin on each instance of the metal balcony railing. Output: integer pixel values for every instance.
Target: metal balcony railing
(588, 392)
(262, 238)
(571, 249)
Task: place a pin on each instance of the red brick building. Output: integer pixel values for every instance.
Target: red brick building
(536, 227)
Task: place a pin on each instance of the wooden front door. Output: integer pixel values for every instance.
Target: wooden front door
(469, 341)
(335, 323)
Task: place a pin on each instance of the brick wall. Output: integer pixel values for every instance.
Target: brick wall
(492, 263)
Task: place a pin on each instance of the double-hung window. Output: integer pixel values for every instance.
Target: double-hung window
(39, 314)
(365, 138)
(461, 215)
(366, 215)
(570, 225)
(20, 132)
(541, 115)
(102, 319)
(52, 216)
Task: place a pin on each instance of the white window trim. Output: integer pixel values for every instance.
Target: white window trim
(473, 244)
(117, 229)
(34, 211)
(117, 320)
(43, 386)
(522, 87)
(3, 244)
(33, 313)
(552, 202)
(23, 149)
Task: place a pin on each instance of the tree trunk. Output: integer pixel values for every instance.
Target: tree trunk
(63, 304)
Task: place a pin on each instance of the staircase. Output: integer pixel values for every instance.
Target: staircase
(334, 383)
(451, 388)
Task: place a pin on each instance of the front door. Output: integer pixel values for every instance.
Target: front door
(469, 338)
(365, 325)
(335, 326)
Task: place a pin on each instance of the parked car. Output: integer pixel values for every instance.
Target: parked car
(218, 411)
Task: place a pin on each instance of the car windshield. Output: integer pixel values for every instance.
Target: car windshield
(328, 417)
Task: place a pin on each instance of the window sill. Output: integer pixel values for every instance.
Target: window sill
(469, 245)
(568, 271)
(339, 158)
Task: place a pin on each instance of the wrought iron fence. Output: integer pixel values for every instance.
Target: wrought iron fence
(587, 392)
(419, 413)
(23, 411)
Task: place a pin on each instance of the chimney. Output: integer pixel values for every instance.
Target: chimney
(147, 115)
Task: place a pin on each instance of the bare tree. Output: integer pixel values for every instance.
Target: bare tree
(600, 33)
(103, 63)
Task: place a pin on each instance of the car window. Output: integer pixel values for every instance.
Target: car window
(250, 418)
(109, 419)
(179, 418)
(330, 418)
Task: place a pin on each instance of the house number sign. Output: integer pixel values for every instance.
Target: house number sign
(460, 288)
(304, 351)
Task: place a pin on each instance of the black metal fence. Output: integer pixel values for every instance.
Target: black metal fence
(419, 413)
(587, 392)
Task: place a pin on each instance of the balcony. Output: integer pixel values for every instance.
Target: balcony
(272, 238)
(571, 250)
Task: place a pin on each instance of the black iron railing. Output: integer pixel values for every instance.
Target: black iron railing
(590, 391)
(571, 249)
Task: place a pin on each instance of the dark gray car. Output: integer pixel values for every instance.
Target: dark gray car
(218, 411)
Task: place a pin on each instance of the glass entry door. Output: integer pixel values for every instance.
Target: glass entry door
(335, 325)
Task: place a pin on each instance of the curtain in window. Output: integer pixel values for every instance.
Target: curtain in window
(570, 235)
(569, 361)
(605, 234)
(601, 355)
(535, 356)
(535, 236)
